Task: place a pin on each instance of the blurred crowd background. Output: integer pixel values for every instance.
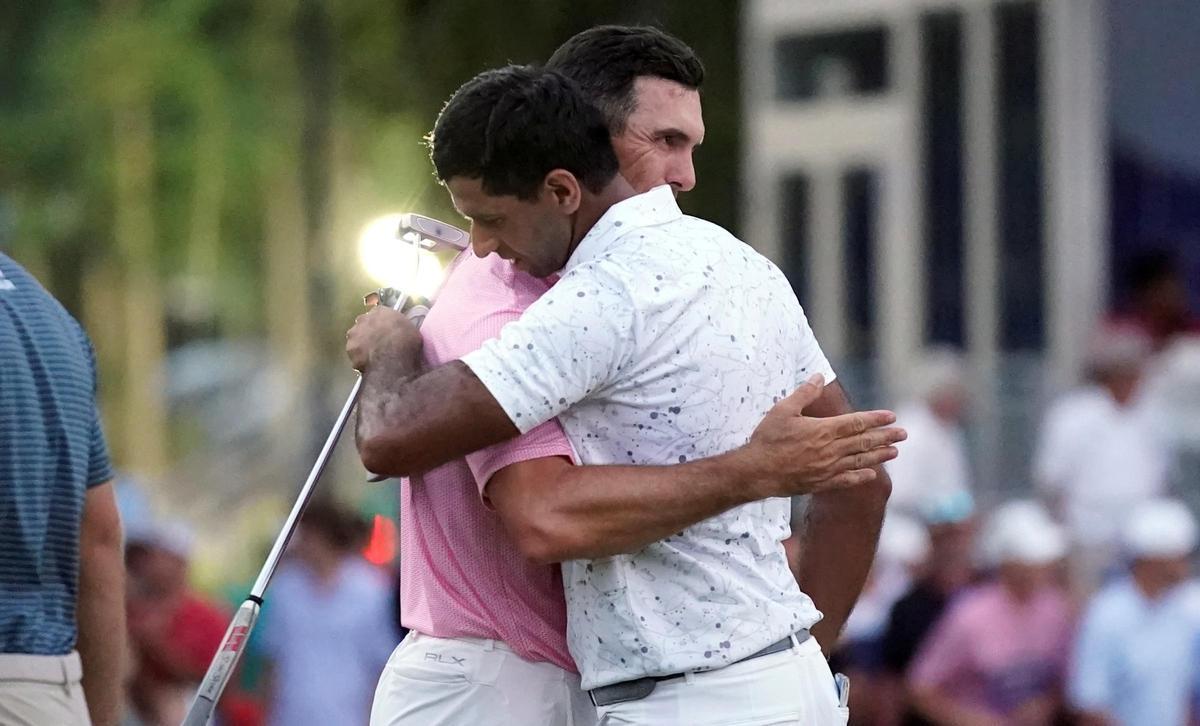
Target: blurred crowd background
(990, 210)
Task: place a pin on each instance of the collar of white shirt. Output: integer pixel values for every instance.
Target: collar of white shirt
(657, 206)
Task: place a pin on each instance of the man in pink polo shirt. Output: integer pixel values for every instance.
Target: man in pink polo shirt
(487, 641)
(488, 624)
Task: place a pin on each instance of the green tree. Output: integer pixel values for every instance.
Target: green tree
(181, 170)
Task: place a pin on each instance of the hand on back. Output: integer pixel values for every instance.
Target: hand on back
(796, 454)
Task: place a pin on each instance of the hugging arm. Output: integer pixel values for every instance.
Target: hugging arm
(838, 538)
(556, 511)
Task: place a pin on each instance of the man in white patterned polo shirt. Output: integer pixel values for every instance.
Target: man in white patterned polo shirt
(665, 341)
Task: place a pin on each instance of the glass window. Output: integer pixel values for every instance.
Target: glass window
(942, 103)
(860, 207)
(860, 202)
(832, 64)
(794, 199)
(1021, 180)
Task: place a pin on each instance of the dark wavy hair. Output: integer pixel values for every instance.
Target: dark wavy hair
(606, 60)
(511, 126)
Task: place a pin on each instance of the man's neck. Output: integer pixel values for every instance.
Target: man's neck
(593, 206)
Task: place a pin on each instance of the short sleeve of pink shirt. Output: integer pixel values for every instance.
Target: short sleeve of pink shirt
(479, 297)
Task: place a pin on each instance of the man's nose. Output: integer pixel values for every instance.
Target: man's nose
(682, 175)
(482, 244)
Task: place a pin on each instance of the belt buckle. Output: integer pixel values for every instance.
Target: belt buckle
(625, 691)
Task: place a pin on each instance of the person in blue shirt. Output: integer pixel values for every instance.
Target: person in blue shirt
(1135, 656)
(62, 591)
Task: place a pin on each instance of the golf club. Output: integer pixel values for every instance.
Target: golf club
(423, 233)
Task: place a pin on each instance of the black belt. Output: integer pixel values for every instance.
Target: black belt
(639, 688)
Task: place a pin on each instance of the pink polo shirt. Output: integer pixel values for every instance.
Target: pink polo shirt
(461, 575)
(994, 653)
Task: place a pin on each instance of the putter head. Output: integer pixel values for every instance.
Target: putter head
(432, 234)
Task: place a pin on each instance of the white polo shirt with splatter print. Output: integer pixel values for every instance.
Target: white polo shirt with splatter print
(666, 340)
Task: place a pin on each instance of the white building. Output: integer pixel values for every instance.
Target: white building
(936, 171)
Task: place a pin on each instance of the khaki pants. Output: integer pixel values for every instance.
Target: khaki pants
(42, 690)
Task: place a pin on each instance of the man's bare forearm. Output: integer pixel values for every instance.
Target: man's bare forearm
(629, 507)
(409, 422)
(556, 511)
(100, 609)
(101, 644)
(839, 537)
(382, 401)
(837, 547)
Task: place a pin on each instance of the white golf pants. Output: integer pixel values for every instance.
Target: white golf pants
(432, 681)
(791, 688)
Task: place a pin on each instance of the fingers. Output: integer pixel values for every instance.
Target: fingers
(357, 335)
(869, 440)
(360, 319)
(865, 460)
(846, 479)
(381, 314)
(808, 392)
(856, 423)
(859, 469)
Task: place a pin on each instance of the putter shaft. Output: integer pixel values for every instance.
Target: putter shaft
(234, 642)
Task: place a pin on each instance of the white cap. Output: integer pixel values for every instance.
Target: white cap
(948, 508)
(937, 369)
(1159, 528)
(1022, 532)
(903, 540)
(172, 535)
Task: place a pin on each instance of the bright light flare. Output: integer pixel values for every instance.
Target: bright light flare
(390, 262)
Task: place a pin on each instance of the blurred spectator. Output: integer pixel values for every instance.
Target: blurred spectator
(1173, 394)
(903, 548)
(328, 629)
(1134, 660)
(1158, 303)
(932, 465)
(173, 631)
(998, 655)
(1099, 455)
(947, 570)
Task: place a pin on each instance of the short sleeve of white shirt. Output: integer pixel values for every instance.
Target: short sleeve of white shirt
(566, 346)
(811, 358)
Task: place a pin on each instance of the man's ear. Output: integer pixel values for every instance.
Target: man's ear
(564, 189)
